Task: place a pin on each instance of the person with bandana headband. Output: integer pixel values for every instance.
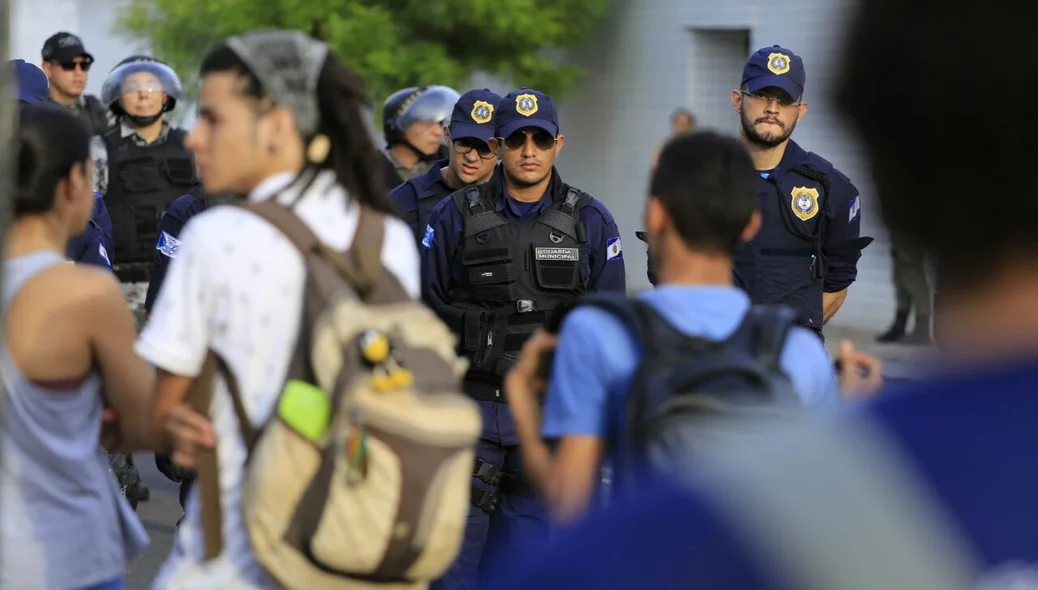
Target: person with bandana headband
(412, 123)
(141, 165)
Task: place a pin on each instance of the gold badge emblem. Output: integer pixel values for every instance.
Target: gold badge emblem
(778, 63)
(482, 112)
(526, 104)
(805, 202)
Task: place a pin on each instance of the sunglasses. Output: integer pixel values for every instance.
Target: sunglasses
(70, 66)
(541, 138)
(467, 144)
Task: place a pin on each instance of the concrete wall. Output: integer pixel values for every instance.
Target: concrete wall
(651, 56)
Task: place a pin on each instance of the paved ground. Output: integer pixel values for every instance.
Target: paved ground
(161, 512)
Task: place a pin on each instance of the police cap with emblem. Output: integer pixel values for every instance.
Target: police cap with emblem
(775, 67)
(474, 114)
(526, 108)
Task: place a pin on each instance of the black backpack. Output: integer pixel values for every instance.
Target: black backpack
(691, 395)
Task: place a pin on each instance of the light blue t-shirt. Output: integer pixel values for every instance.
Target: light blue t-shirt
(597, 356)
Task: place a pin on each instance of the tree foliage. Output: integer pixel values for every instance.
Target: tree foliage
(391, 43)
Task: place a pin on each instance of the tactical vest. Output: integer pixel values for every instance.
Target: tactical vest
(515, 273)
(142, 182)
(784, 263)
(425, 202)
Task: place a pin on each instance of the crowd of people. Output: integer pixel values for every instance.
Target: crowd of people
(419, 367)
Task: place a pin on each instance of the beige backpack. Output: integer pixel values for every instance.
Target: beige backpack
(361, 477)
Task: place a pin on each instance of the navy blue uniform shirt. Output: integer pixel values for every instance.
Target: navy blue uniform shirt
(779, 265)
(95, 244)
(441, 245)
(429, 186)
(971, 441)
(170, 226)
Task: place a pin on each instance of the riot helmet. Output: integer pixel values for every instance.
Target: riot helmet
(414, 105)
(137, 75)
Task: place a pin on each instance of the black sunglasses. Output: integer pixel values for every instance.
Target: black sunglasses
(467, 144)
(541, 138)
(69, 66)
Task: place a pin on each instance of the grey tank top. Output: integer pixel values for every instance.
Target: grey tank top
(65, 525)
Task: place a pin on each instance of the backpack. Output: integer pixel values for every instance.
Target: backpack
(691, 396)
(361, 477)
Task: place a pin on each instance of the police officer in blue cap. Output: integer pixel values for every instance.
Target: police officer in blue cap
(94, 245)
(471, 160)
(807, 251)
(498, 260)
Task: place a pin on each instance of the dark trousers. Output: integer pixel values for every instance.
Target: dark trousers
(910, 285)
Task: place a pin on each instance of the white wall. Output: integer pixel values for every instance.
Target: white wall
(642, 62)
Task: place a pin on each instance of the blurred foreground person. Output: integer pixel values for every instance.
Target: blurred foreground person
(929, 488)
(67, 352)
(280, 120)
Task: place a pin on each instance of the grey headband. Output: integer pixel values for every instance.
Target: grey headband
(287, 64)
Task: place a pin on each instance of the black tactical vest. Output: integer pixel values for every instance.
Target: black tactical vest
(142, 182)
(516, 273)
(784, 263)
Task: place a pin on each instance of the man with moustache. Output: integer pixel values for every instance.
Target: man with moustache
(471, 160)
(807, 251)
(499, 260)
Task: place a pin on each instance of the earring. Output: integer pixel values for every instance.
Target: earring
(317, 151)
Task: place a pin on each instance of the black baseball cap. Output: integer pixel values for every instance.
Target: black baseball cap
(64, 47)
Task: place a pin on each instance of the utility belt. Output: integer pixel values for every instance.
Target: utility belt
(503, 482)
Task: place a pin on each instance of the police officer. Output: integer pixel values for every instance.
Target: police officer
(412, 123)
(471, 160)
(497, 260)
(172, 223)
(142, 165)
(66, 63)
(807, 251)
(95, 243)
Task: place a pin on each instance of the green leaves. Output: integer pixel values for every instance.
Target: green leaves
(391, 43)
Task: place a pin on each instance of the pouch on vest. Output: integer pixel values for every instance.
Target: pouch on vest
(361, 476)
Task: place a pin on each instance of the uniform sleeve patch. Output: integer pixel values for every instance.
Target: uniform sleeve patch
(614, 250)
(168, 245)
(430, 235)
(104, 254)
(855, 209)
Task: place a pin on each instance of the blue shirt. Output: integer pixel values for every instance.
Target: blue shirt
(971, 441)
(424, 186)
(95, 245)
(597, 356)
(441, 247)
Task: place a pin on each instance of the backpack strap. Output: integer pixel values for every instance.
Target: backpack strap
(763, 332)
(653, 332)
(360, 265)
(200, 397)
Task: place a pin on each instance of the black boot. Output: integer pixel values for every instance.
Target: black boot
(921, 334)
(897, 330)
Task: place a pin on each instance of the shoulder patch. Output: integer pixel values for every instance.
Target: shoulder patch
(104, 254)
(430, 235)
(855, 209)
(167, 245)
(614, 249)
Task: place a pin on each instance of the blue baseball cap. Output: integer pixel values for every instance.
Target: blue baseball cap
(473, 115)
(33, 86)
(775, 67)
(526, 108)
